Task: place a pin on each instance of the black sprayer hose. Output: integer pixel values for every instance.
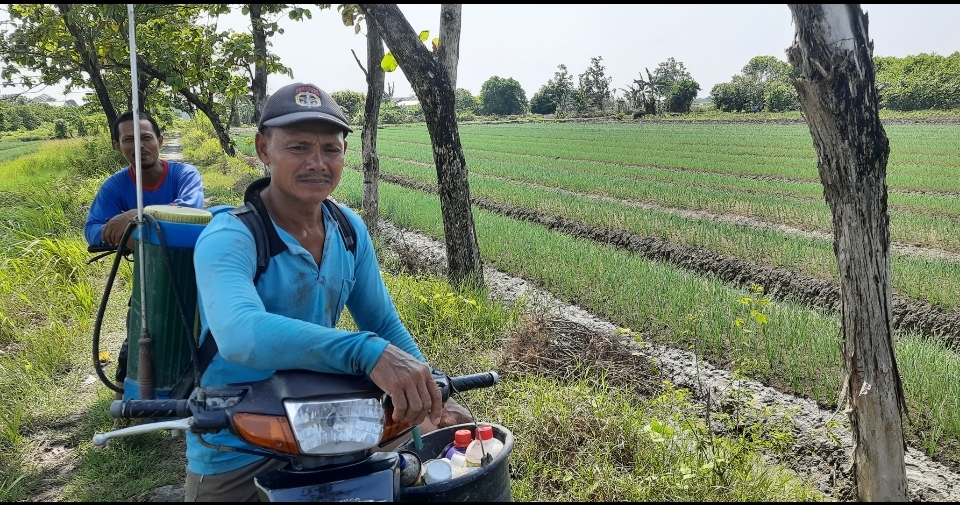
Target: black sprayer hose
(176, 293)
(103, 307)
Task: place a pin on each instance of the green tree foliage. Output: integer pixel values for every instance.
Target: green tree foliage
(922, 81)
(669, 87)
(18, 114)
(780, 96)
(502, 96)
(556, 96)
(391, 113)
(595, 85)
(352, 103)
(764, 83)
(681, 94)
(542, 102)
(666, 75)
(182, 59)
(466, 102)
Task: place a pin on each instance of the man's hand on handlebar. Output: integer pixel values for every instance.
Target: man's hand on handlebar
(453, 414)
(410, 384)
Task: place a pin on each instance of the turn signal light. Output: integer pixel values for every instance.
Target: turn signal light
(268, 432)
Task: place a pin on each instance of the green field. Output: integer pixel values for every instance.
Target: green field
(600, 173)
(795, 347)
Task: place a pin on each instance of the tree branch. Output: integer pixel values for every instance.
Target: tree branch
(358, 63)
(449, 50)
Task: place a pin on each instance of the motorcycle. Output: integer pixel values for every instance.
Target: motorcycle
(326, 427)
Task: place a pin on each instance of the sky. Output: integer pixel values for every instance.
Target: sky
(527, 42)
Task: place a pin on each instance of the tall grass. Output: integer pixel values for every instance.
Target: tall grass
(581, 439)
(47, 292)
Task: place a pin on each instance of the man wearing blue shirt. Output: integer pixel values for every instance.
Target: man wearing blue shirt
(287, 319)
(164, 183)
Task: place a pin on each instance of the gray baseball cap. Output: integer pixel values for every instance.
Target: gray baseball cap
(301, 102)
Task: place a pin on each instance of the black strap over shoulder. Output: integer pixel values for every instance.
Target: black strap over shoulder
(253, 214)
(346, 229)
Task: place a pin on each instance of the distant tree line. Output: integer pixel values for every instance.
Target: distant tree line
(922, 81)
(17, 114)
(917, 82)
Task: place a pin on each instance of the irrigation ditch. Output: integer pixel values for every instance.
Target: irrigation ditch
(908, 314)
(823, 437)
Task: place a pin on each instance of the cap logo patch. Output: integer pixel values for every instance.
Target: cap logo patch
(307, 96)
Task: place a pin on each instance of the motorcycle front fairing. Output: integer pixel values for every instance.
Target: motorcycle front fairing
(376, 478)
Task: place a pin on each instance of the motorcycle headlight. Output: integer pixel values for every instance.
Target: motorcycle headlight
(335, 427)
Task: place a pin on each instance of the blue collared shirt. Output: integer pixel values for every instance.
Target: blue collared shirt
(287, 321)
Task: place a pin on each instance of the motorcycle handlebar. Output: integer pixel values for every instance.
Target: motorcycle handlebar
(150, 408)
(473, 381)
(181, 408)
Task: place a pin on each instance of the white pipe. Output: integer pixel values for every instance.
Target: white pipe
(139, 169)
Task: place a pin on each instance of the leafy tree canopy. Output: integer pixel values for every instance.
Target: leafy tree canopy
(466, 102)
(764, 83)
(922, 81)
(502, 96)
(352, 103)
(594, 84)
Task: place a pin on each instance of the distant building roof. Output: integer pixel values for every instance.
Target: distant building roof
(49, 100)
(406, 102)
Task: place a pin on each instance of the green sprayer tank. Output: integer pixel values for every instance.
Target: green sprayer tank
(171, 356)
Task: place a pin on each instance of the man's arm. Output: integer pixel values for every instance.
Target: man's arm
(246, 334)
(190, 187)
(104, 207)
(370, 303)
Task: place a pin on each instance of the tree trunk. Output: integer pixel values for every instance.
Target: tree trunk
(206, 107)
(838, 97)
(223, 133)
(258, 85)
(431, 82)
(370, 200)
(89, 62)
(449, 50)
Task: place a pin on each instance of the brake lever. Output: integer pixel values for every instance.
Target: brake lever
(101, 439)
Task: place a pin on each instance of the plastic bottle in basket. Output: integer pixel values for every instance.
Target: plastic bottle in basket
(461, 439)
(490, 445)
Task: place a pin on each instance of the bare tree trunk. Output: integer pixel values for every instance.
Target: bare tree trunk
(258, 85)
(223, 132)
(838, 97)
(449, 50)
(431, 82)
(370, 199)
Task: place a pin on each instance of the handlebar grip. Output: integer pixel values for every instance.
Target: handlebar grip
(150, 408)
(100, 248)
(474, 381)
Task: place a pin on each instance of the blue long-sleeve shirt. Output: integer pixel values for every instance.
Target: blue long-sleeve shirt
(180, 185)
(287, 321)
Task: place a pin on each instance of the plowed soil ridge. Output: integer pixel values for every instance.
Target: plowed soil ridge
(908, 314)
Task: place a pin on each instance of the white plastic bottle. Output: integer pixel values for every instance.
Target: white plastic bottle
(491, 446)
(490, 443)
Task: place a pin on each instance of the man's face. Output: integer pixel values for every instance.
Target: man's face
(305, 159)
(149, 143)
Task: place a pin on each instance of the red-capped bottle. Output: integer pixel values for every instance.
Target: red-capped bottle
(461, 439)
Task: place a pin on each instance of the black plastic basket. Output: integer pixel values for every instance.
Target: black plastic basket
(487, 483)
